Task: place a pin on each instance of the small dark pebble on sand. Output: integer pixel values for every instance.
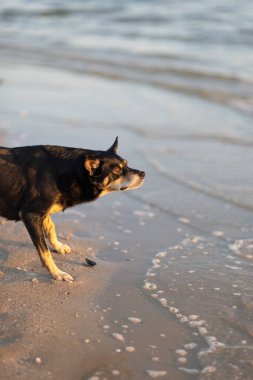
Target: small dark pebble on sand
(89, 262)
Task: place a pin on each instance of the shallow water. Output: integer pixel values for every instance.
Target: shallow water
(198, 48)
(208, 291)
(174, 80)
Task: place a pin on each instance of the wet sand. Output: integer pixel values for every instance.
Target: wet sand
(168, 298)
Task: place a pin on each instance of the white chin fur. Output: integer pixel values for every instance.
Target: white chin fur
(133, 184)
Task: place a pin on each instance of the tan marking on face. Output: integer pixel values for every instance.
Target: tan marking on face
(114, 186)
(106, 181)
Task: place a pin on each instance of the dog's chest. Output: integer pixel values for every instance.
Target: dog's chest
(56, 207)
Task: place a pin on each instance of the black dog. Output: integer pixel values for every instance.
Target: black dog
(37, 181)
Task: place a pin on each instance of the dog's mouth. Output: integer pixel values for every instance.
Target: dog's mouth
(135, 182)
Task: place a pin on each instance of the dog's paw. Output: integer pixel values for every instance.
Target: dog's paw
(62, 276)
(62, 248)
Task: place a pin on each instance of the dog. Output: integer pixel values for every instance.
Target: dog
(37, 181)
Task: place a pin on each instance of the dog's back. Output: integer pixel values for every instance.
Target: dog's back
(31, 172)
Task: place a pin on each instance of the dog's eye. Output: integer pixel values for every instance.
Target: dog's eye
(117, 170)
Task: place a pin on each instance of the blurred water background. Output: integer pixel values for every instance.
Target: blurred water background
(199, 48)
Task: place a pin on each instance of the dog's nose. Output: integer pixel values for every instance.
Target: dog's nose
(142, 174)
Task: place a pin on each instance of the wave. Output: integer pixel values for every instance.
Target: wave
(222, 88)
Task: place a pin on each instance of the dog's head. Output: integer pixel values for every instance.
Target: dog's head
(109, 172)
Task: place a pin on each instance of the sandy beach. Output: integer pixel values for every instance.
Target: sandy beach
(171, 294)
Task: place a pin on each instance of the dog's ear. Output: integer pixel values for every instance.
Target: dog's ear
(114, 147)
(91, 164)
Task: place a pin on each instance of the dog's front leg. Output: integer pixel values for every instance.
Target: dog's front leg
(33, 223)
(49, 229)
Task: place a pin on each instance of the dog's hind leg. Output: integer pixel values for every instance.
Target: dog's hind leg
(50, 232)
(33, 223)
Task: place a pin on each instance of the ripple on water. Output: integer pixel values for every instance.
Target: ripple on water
(243, 248)
(156, 374)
